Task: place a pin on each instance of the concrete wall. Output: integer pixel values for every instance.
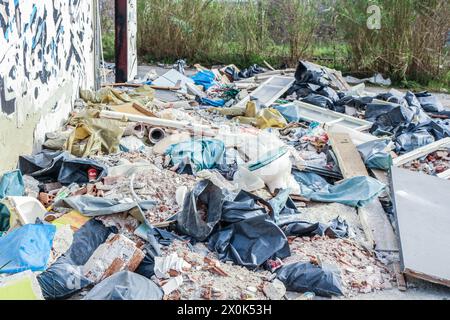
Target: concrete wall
(46, 55)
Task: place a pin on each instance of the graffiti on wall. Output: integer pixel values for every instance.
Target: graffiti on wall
(43, 45)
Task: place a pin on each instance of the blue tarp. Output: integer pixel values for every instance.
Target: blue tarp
(26, 248)
(201, 153)
(210, 102)
(204, 78)
(354, 192)
(11, 184)
(291, 112)
(374, 155)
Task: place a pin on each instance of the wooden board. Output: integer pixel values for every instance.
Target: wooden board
(133, 108)
(422, 211)
(348, 156)
(374, 220)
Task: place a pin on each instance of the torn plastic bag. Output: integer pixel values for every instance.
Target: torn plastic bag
(65, 276)
(337, 228)
(359, 103)
(410, 141)
(412, 100)
(309, 73)
(374, 110)
(211, 102)
(201, 211)
(60, 166)
(291, 112)
(329, 93)
(320, 101)
(201, 153)
(393, 121)
(95, 206)
(282, 206)
(302, 89)
(11, 184)
(375, 154)
(354, 192)
(204, 78)
(4, 217)
(306, 277)
(250, 242)
(94, 135)
(429, 102)
(270, 118)
(125, 285)
(26, 248)
(440, 129)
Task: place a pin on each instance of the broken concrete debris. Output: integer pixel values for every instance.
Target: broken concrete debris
(245, 184)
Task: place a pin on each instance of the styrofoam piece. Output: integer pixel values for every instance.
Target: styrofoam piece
(28, 209)
(277, 174)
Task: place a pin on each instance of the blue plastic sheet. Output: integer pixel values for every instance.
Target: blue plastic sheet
(374, 154)
(354, 192)
(65, 277)
(11, 184)
(210, 102)
(291, 112)
(204, 78)
(201, 153)
(26, 248)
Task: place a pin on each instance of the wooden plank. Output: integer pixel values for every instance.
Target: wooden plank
(373, 218)
(132, 108)
(358, 138)
(348, 156)
(400, 277)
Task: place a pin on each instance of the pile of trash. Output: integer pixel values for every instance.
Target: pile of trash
(194, 187)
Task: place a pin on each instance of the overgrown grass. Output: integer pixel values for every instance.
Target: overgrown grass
(409, 48)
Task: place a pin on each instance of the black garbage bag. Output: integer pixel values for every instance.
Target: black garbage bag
(96, 206)
(65, 277)
(125, 285)
(394, 121)
(440, 129)
(302, 89)
(337, 228)
(320, 101)
(374, 110)
(244, 206)
(60, 166)
(409, 141)
(202, 210)
(392, 98)
(306, 277)
(329, 93)
(412, 100)
(309, 73)
(429, 102)
(250, 242)
(245, 73)
(359, 103)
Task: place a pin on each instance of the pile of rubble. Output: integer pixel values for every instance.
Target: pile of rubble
(226, 185)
